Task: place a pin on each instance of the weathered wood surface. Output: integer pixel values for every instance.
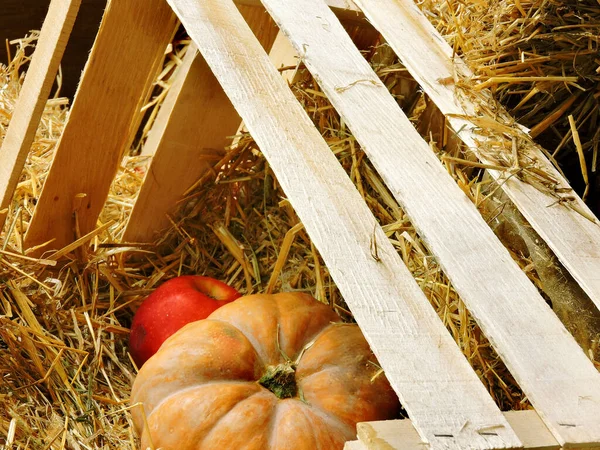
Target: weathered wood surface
(123, 64)
(531, 429)
(574, 238)
(34, 94)
(401, 434)
(188, 136)
(185, 142)
(354, 445)
(422, 362)
(544, 358)
(346, 9)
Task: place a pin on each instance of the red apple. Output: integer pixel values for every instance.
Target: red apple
(174, 304)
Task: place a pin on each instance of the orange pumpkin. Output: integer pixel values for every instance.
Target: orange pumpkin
(264, 372)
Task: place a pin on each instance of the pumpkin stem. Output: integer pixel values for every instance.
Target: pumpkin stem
(280, 380)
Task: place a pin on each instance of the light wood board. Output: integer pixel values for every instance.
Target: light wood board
(28, 111)
(354, 445)
(544, 358)
(574, 238)
(188, 136)
(343, 8)
(401, 435)
(124, 61)
(422, 362)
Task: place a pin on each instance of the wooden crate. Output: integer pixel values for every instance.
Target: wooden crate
(231, 76)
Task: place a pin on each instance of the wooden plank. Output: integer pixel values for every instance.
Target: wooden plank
(544, 358)
(354, 445)
(574, 238)
(188, 136)
(422, 362)
(531, 430)
(45, 61)
(402, 435)
(389, 435)
(124, 61)
(183, 142)
(345, 9)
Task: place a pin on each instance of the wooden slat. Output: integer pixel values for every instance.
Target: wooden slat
(354, 445)
(124, 61)
(51, 45)
(423, 364)
(185, 143)
(531, 430)
(188, 136)
(550, 367)
(346, 9)
(390, 434)
(574, 238)
(401, 434)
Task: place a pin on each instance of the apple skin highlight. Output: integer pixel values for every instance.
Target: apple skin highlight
(172, 305)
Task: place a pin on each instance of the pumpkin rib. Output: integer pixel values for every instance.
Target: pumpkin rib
(273, 424)
(279, 309)
(329, 418)
(260, 349)
(312, 342)
(253, 342)
(312, 419)
(215, 428)
(196, 386)
(162, 419)
(330, 361)
(155, 381)
(324, 414)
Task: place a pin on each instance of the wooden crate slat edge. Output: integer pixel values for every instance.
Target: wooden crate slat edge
(191, 127)
(402, 435)
(45, 61)
(132, 40)
(355, 445)
(343, 8)
(574, 237)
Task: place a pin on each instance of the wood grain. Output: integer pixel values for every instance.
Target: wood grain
(354, 445)
(548, 364)
(574, 238)
(124, 61)
(346, 9)
(42, 71)
(389, 435)
(531, 430)
(422, 362)
(401, 434)
(188, 136)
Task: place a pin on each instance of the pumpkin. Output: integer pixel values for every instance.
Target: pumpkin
(264, 372)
